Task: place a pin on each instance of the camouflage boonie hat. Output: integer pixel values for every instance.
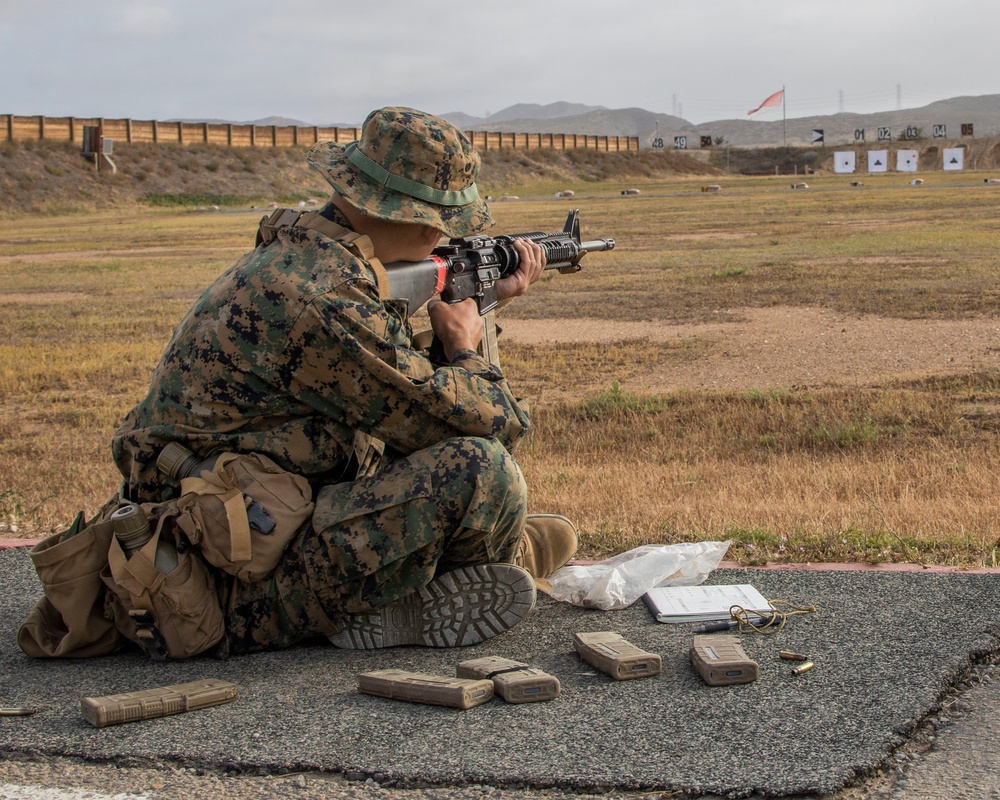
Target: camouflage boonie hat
(408, 166)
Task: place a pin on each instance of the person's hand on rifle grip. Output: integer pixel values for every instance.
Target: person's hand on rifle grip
(458, 326)
(529, 270)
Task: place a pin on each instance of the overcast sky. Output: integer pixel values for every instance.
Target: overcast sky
(330, 62)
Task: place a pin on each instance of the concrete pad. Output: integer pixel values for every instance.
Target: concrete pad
(887, 647)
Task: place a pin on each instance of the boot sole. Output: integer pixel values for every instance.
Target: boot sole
(459, 608)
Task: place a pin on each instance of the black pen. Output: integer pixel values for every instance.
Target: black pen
(729, 624)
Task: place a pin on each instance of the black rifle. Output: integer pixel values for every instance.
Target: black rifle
(471, 266)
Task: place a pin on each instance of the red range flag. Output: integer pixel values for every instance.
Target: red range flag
(774, 100)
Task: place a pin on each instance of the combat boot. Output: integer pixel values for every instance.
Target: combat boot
(456, 609)
(549, 541)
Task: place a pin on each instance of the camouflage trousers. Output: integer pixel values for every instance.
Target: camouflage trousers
(375, 540)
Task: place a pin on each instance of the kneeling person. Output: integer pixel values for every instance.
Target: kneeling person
(420, 533)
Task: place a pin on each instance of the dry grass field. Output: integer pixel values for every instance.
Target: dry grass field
(814, 374)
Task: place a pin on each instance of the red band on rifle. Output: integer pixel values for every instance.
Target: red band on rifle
(442, 267)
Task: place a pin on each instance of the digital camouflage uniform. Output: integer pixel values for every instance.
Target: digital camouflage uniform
(292, 354)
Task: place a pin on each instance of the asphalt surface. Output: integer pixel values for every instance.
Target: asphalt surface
(889, 648)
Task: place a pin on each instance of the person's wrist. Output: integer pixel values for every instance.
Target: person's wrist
(452, 348)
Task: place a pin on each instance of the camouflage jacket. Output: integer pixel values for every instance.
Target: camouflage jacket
(290, 353)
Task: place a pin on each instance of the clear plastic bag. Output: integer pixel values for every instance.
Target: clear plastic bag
(621, 580)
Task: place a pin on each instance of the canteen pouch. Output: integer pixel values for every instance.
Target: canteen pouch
(214, 513)
(169, 615)
(72, 620)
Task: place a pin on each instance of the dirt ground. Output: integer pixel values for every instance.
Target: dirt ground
(788, 347)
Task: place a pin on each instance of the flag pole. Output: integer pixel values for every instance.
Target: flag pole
(784, 141)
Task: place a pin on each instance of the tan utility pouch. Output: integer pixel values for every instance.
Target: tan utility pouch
(169, 615)
(72, 620)
(213, 513)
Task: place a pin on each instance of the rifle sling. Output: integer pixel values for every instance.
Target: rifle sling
(489, 347)
(359, 245)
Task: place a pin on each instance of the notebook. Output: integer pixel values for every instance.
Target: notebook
(703, 603)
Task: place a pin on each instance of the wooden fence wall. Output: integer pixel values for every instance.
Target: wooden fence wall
(483, 140)
(70, 129)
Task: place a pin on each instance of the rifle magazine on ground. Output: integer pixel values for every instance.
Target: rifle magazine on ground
(721, 660)
(614, 656)
(420, 687)
(513, 681)
(114, 709)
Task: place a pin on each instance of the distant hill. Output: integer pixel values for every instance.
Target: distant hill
(265, 121)
(602, 122)
(521, 111)
(983, 112)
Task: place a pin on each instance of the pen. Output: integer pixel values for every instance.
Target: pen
(729, 624)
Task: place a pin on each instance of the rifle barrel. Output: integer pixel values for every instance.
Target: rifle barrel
(577, 252)
(598, 245)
